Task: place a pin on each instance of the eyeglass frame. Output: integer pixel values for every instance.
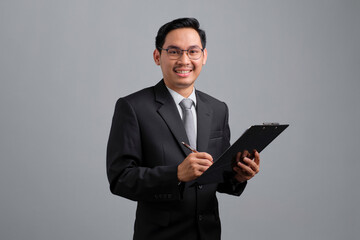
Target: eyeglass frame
(183, 50)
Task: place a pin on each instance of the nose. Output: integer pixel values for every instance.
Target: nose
(184, 58)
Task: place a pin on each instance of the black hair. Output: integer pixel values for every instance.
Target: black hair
(176, 24)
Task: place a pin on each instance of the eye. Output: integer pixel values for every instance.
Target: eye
(194, 51)
(173, 51)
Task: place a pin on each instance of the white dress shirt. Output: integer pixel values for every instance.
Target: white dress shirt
(178, 98)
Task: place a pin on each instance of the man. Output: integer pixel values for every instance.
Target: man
(146, 160)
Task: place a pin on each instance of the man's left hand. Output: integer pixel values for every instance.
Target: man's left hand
(247, 165)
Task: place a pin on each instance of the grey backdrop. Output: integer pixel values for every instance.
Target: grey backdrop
(63, 64)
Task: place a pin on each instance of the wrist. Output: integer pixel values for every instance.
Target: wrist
(180, 180)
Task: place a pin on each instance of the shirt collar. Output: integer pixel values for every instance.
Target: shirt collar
(178, 97)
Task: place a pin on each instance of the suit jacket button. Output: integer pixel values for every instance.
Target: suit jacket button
(200, 217)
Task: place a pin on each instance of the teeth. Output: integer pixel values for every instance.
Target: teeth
(183, 71)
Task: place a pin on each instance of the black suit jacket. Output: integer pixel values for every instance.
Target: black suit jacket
(144, 150)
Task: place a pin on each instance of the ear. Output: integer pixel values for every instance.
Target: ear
(156, 56)
(205, 56)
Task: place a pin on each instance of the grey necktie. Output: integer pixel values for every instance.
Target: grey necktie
(188, 120)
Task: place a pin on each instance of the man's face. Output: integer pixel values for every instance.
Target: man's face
(180, 74)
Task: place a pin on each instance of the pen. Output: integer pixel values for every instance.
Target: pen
(189, 147)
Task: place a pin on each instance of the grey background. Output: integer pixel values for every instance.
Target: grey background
(63, 64)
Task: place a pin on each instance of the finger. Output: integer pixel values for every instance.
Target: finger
(252, 155)
(257, 158)
(244, 173)
(203, 155)
(238, 157)
(194, 157)
(245, 154)
(254, 166)
(247, 161)
(198, 171)
(202, 168)
(245, 168)
(238, 170)
(204, 162)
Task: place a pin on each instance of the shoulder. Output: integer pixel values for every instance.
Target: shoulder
(213, 102)
(139, 98)
(141, 94)
(148, 96)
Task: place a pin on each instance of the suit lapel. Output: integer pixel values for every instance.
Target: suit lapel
(170, 114)
(204, 117)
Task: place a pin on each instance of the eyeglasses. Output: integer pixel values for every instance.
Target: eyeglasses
(175, 53)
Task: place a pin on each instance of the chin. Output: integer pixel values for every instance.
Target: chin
(184, 83)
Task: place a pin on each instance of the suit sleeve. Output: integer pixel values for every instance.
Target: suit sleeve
(126, 174)
(230, 186)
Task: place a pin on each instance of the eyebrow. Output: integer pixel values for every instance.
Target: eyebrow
(173, 46)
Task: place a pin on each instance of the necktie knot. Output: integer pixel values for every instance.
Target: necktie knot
(186, 103)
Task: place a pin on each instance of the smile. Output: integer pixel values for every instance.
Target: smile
(183, 71)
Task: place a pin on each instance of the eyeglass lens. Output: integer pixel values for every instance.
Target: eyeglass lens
(193, 52)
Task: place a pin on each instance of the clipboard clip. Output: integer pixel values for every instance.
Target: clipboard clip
(271, 124)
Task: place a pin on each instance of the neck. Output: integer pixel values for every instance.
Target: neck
(185, 92)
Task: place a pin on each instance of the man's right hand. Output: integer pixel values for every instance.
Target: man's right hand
(193, 166)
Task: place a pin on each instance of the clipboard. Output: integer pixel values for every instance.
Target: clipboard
(256, 137)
